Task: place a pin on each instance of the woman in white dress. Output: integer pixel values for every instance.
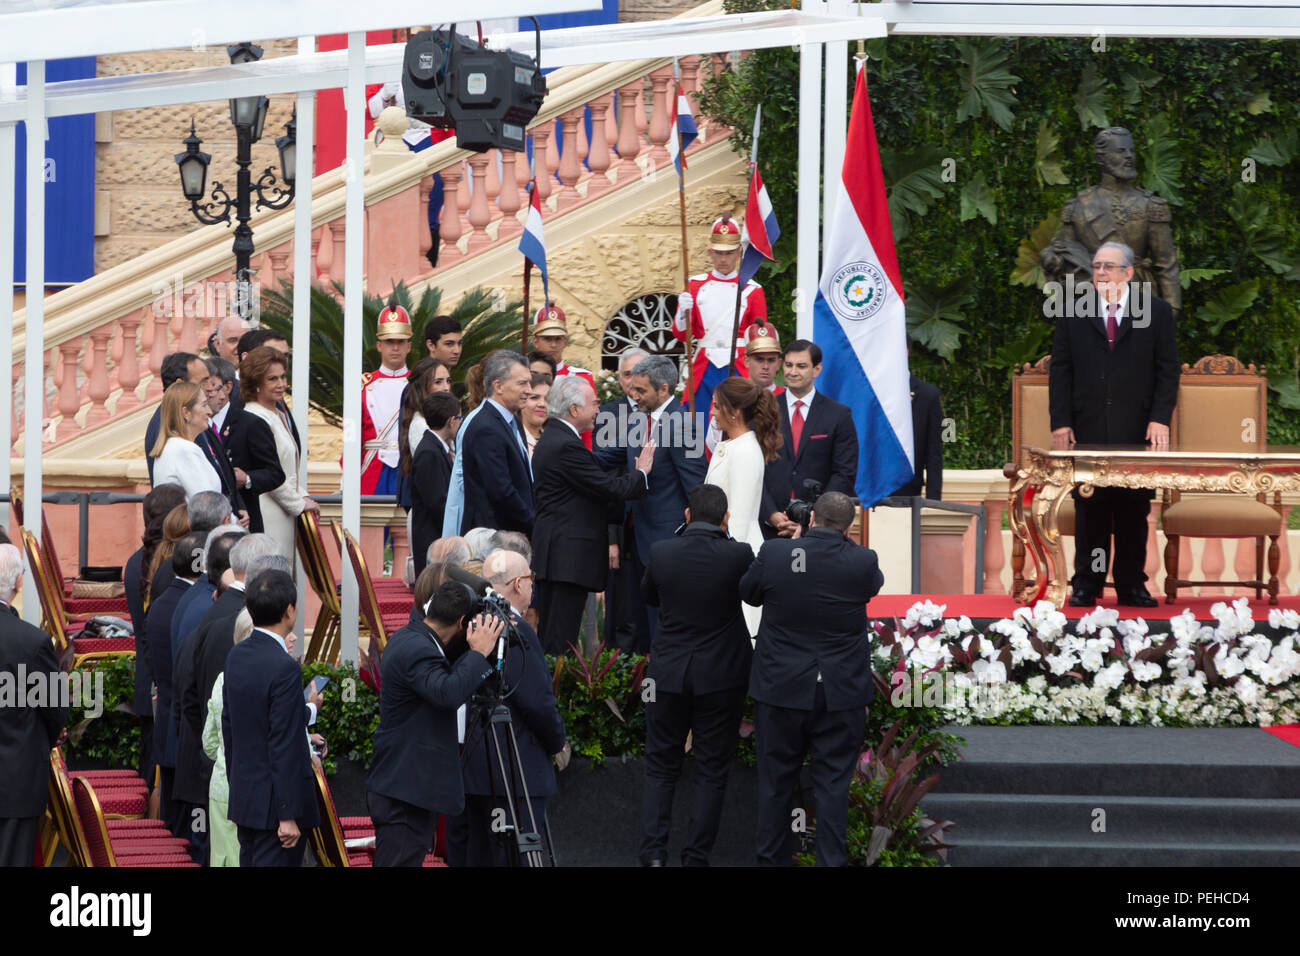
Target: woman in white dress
(177, 459)
(750, 424)
(262, 381)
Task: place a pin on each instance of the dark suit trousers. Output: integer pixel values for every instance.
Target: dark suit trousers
(403, 832)
(648, 621)
(471, 839)
(262, 848)
(623, 608)
(560, 606)
(146, 765)
(832, 739)
(18, 836)
(714, 721)
(1119, 511)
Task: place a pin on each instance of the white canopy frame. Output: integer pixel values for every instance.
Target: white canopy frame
(37, 30)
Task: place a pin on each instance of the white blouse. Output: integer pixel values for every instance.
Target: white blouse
(183, 463)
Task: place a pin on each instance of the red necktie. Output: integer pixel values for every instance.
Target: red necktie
(1112, 327)
(796, 424)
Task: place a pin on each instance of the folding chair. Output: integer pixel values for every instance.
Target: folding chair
(326, 632)
(56, 621)
(125, 843)
(329, 841)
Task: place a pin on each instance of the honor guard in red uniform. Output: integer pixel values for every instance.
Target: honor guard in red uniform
(710, 304)
(550, 337)
(381, 403)
(762, 359)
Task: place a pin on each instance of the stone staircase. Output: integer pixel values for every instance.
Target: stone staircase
(1121, 796)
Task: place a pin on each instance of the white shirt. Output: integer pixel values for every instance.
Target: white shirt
(1123, 310)
(278, 639)
(791, 398)
(570, 424)
(183, 463)
(219, 418)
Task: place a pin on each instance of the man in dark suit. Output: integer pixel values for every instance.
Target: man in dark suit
(498, 479)
(539, 732)
(250, 446)
(573, 495)
(415, 772)
(699, 670)
(186, 367)
(679, 465)
(1113, 380)
(812, 677)
(820, 444)
(26, 732)
(268, 760)
(623, 607)
(927, 443)
(431, 473)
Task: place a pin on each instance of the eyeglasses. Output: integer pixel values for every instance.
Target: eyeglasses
(522, 577)
(1108, 266)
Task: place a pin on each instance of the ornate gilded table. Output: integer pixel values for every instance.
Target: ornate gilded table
(1047, 477)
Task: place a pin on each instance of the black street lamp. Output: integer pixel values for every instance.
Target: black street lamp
(248, 114)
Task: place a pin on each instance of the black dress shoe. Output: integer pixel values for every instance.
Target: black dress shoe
(1081, 597)
(1138, 597)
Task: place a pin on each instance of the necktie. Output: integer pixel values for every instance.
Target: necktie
(523, 445)
(1112, 326)
(796, 424)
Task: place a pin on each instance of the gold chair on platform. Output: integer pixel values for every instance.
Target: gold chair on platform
(311, 549)
(1222, 407)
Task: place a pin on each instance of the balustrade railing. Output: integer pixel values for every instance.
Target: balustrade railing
(106, 338)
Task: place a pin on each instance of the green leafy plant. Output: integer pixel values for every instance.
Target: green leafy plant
(1265, 236)
(112, 738)
(349, 715)
(934, 316)
(489, 322)
(1228, 305)
(988, 85)
(599, 696)
(977, 199)
(912, 181)
(1159, 163)
(1090, 101)
(1047, 161)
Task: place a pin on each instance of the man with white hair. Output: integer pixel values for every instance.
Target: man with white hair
(229, 331)
(26, 732)
(539, 730)
(573, 495)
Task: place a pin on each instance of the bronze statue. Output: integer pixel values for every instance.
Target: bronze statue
(1116, 211)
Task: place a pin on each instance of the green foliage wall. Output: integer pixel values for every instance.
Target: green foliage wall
(984, 139)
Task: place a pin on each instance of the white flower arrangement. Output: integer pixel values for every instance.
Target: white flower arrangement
(1035, 668)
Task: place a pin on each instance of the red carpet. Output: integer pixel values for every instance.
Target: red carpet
(1000, 606)
(1288, 732)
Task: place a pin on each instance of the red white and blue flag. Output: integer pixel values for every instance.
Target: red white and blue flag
(682, 130)
(858, 317)
(532, 243)
(759, 233)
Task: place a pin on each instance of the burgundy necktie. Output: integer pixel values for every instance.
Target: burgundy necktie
(1112, 327)
(796, 424)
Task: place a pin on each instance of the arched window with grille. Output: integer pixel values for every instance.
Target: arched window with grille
(645, 322)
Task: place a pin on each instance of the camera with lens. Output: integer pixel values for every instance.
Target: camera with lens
(800, 509)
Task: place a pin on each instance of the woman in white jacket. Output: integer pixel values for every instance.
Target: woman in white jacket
(178, 460)
(262, 382)
(750, 423)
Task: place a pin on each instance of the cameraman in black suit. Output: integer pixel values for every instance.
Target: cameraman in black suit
(812, 677)
(428, 672)
(821, 442)
(699, 669)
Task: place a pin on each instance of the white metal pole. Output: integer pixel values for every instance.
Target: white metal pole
(8, 79)
(837, 80)
(34, 389)
(810, 142)
(354, 102)
(306, 131)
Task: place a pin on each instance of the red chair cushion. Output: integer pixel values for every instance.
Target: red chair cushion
(128, 802)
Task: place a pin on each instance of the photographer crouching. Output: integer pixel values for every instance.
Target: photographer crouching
(429, 672)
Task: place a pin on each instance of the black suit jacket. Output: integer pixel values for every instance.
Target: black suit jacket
(573, 494)
(160, 662)
(927, 442)
(676, 472)
(1107, 397)
(213, 450)
(539, 729)
(264, 726)
(251, 446)
(190, 707)
(609, 445)
(814, 592)
(694, 580)
(498, 483)
(142, 700)
(828, 453)
(26, 733)
(428, 484)
(416, 754)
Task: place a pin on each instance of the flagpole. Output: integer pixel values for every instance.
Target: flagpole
(749, 188)
(686, 259)
(528, 263)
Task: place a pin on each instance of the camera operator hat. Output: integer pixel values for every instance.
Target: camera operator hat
(549, 320)
(725, 235)
(762, 338)
(394, 322)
